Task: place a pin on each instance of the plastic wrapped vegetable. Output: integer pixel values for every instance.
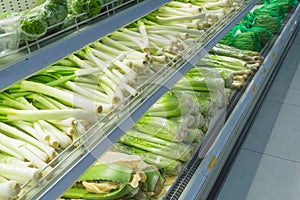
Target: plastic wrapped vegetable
(247, 41)
(9, 33)
(271, 23)
(91, 7)
(35, 22)
(55, 12)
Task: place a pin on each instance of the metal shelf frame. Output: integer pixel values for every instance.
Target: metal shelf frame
(211, 165)
(33, 62)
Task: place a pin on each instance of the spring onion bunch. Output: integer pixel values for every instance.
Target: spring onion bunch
(227, 59)
(9, 188)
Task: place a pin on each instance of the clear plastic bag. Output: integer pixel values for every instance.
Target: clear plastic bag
(9, 34)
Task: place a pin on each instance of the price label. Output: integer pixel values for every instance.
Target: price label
(212, 162)
(254, 88)
(273, 56)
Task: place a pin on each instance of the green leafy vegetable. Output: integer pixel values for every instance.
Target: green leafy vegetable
(269, 22)
(91, 7)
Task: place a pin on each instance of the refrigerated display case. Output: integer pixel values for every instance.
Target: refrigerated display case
(199, 173)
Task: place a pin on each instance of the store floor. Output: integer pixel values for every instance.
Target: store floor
(268, 164)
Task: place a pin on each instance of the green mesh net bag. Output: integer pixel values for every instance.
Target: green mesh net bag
(271, 23)
(277, 8)
(264, 11)
(287, 4)
(264, 35)
(247, 20)
(239, 28)
(247, 41)
(227, 39)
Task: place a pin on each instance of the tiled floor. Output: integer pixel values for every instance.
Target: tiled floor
(268, 165)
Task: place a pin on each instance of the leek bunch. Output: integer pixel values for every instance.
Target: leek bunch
(118, 175)
(230, 60)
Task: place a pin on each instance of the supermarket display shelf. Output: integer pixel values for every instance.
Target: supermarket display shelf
(22, 64)
(205, 176)
(73, 162)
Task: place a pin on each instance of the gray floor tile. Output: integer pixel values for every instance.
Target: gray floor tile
(297, 38)
(292, 58)
(276, 135)
(295, 84)
(281, 84)
(260, 177)
(293, 94)
(293, 97)
(262, 128)
(286, 87)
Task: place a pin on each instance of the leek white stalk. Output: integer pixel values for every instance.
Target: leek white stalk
(26, 127)
(25, 153)
(121, 65)
(144, 36)
(72, 98)
(82, 91)
(33, 115)
(11, 152)
(68, 122)
(19, 173)
(118, 35)
(23, 136)
(64, 140)
(81, 63)
(9, 189)
(41, 135)
(41, 154)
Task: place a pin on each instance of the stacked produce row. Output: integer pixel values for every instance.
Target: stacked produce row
(52, 109)
(48, 111)
(256, 29)
(172, 128)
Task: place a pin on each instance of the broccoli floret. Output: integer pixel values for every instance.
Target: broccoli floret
(91, 7)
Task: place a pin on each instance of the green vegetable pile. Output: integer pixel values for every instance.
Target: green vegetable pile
(247, 41)
(264, 34)
(271, 23)
(256, 28)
